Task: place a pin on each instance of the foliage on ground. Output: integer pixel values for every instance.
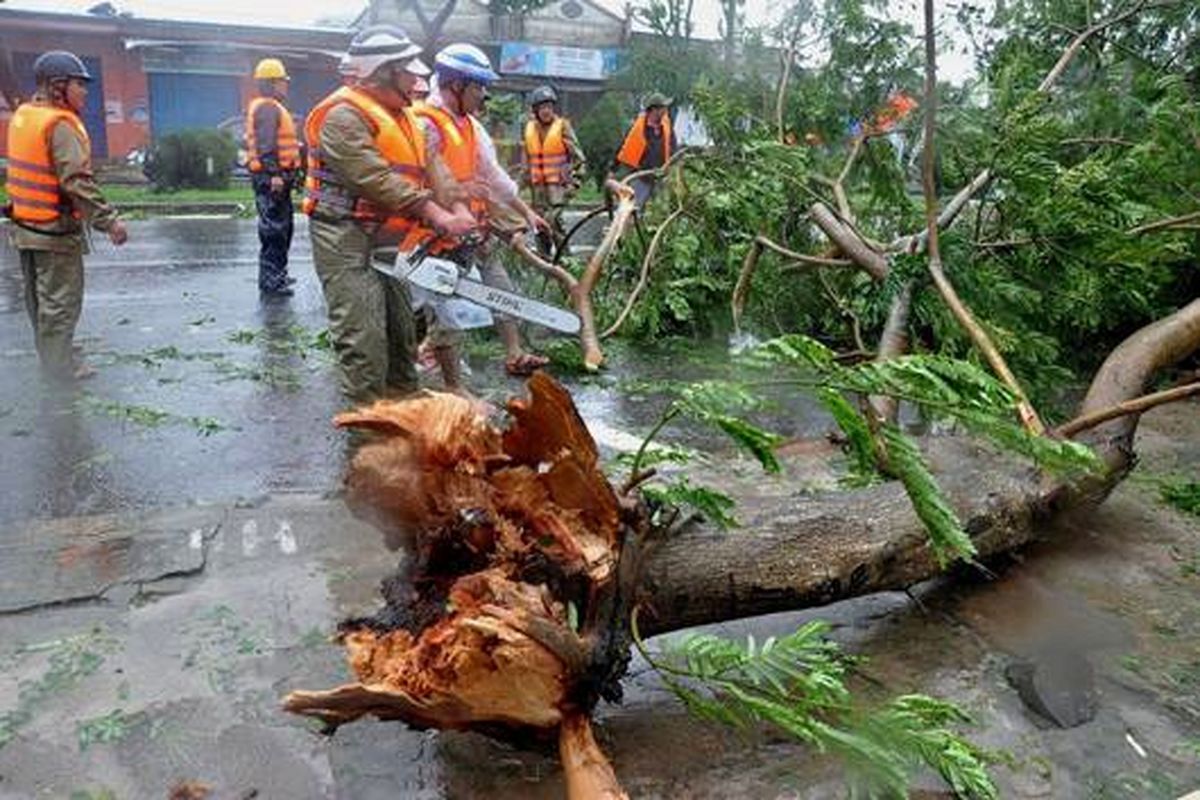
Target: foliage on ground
(796, 686)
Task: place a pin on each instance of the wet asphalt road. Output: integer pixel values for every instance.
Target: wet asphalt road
(202, 391)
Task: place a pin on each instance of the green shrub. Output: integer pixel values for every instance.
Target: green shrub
(191, 159)
(601, 132)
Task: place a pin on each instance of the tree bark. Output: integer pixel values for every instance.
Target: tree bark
(798, 549)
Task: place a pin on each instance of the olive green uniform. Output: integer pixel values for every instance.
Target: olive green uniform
(370, 315)
(51, 253)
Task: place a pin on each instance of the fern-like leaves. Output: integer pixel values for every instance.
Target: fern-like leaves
(796, 685)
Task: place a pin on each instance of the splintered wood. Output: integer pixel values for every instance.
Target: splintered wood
(513, 543)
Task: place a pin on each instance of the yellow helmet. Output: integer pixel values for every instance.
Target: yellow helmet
(270, 69)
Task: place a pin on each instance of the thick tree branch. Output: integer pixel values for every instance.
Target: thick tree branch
(593, 356)
(797, 549)
(849, 242)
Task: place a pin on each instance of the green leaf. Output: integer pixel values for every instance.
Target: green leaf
(713, 505)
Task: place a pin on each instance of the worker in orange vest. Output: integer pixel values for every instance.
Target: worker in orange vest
(554, 163)
(461, 145)
(273, 158)
(52, 194)
(648, 145)
(367, 186)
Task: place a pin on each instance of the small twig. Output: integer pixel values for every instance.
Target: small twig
(1164, 223)
(644, 276)
(741, 289)
(801, 258)
(659, 171)
(1099, 140)
(670, 414)
(1135, 406)
(1072, 49)
(844, 307)
(1004, 244)
(788, 57)
(558, 273)
(636, 479)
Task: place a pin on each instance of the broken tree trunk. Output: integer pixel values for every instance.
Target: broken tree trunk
(522, 565)
(525, 563)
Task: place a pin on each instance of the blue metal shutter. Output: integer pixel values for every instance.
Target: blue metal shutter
(182, 100)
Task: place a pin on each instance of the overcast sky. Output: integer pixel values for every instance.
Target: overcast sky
(301, 13)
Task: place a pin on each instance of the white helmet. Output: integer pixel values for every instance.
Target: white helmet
(464, 62)
(377, 45)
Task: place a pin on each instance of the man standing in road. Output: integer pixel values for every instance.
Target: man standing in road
(366, 187)
(273, 156)
(52, 196)
(554, 163)
(648, 145)
(462, 155)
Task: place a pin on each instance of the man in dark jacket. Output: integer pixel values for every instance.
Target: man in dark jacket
(273, 156)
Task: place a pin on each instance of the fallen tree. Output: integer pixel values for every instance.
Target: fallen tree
(519, 602)
(512, 616)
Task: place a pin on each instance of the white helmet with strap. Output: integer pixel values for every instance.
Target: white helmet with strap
(378, 45)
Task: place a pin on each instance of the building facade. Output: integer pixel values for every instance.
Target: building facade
(153, 77)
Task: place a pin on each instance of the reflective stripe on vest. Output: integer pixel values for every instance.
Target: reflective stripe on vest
(399, 140)
(634, 146)
(287, 146)
(549, 162)
(32, 184)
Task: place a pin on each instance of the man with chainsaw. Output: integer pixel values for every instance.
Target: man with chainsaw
(463, 160)
(367, 186)
(553, 162)
(273, 158)
(52, 195)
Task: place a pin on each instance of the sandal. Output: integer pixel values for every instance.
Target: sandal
(525, 364)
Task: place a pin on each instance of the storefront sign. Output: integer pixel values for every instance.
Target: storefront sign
(580, 63)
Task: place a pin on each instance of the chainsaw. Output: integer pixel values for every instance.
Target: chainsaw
(446, 279)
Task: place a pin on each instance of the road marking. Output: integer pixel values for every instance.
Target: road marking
(250, 537)
(287, 541)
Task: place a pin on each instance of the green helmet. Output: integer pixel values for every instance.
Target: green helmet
(543, 94)
(59, 65)
(655, 99)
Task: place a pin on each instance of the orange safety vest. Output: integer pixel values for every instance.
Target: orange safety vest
(548, 158)
(399, 140)
(635, 142)
(459, 148)
(287, 146)
(33, 187)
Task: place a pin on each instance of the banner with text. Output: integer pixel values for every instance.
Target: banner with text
(579, 63)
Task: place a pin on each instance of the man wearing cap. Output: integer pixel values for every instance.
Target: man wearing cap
(648, 145)
(366, 186)
(52, 194)
(273, 156)
(553, 163)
